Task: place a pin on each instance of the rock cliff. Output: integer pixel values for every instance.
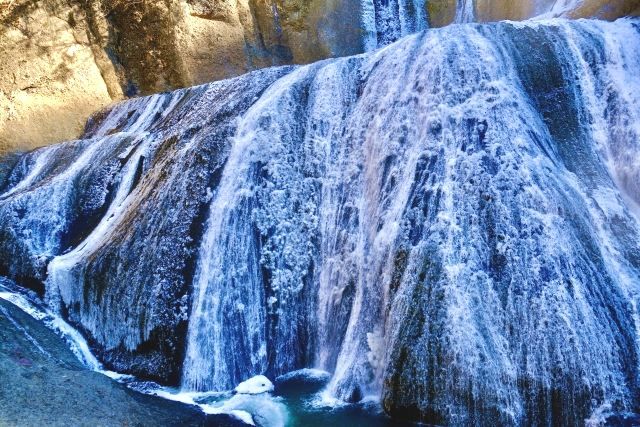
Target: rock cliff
(61, 60)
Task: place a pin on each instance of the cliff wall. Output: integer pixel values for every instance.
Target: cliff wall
(61, 60)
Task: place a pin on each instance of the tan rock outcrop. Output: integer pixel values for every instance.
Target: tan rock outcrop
(61, 60)
(441, 12)
(603, 9)
(495, 10)
(51, 74)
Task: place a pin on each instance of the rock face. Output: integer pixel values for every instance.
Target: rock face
(449, 223)
(61, 60)
(494, 10)
(53, 73)
(36, 365)
(112, 161)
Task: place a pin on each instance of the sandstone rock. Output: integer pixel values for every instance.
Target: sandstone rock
(444, 12)
(61, 60)
(52, 76)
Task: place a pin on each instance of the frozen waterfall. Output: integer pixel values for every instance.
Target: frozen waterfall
(449, 223)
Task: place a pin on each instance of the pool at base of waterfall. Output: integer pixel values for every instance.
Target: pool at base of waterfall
(296, 400)
(49, 375)
(42, 355)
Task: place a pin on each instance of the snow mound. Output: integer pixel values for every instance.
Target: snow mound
(256, 385)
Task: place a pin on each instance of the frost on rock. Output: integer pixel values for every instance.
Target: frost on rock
(110, 224)
(430, 223)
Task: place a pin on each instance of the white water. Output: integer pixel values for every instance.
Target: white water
(65, 275)
(385, 21)
(348, 184)
(464, 11)
(60, 275)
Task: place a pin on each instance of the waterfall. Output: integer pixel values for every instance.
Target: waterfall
(464, 11)
(561, 7)
(449, 223)
(385, 21)
(412, 236)
(229, 299)
(65, 283)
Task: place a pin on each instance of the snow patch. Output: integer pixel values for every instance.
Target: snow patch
(256, 385)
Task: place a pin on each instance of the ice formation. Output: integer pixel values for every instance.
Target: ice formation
(449, 223)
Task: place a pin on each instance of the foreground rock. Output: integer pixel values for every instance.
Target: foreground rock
(44, 384)
(301, 381)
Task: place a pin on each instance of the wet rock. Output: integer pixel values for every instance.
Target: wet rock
(44, 384)
(303, 381)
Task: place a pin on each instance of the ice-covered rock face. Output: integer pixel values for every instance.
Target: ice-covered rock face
(126, 207)
(255, 385)
(449, 223)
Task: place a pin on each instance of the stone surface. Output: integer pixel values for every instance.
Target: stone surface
(495, 10)
(61, 60)
(52, 73)
(445, 12)
(44, 384)
(301, 381)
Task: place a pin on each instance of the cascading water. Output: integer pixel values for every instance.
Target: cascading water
(385, 21)
(561, 7)
(464, 11)
(449, 223)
